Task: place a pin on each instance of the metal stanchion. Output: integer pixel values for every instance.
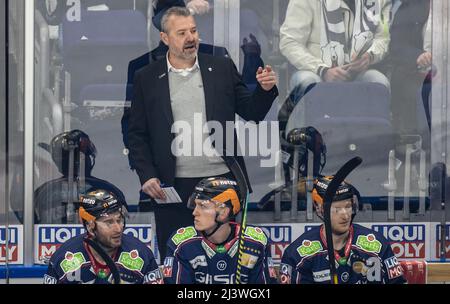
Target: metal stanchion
(407, 186)
(391, 186)
(422, 183)
(294, 201)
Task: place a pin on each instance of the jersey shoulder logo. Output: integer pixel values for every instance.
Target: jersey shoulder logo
(256, 234)
(249, 260)
(369, 243)
(184, 234)
(72, 261)
(131, 260)
(309, 248)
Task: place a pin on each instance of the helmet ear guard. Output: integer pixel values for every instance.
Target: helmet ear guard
(84, 216)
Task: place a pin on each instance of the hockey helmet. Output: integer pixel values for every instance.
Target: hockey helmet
(78, 141)
(345, 191)
(98, 203)
(220, 191)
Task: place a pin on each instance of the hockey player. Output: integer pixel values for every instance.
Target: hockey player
(104, 254)
(362, 255)
(207, 253)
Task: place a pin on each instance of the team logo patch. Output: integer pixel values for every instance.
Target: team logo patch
(369, 243)
(72, 261)
(184, 234)
(256, 234)
(309, 248)
(249, 260)
(131, 260)
(168, 266)
(285, 273)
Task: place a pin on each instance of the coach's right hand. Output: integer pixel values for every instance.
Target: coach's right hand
(152, 187)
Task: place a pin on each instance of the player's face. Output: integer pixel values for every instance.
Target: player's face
(341, 216)
(182, 37)
(204, 215)
(109, 230)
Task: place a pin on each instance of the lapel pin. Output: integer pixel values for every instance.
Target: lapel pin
(162, 75)
(210, 69)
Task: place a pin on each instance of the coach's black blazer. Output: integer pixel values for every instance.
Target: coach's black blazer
(151, 115)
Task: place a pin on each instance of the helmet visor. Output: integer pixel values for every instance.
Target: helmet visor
(202, 200)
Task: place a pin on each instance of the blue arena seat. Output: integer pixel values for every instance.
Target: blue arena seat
(354, 120)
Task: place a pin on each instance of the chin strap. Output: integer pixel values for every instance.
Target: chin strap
(219, 224)
(109, 262)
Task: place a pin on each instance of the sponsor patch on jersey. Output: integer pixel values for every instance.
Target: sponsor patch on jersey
(369, 243)
(360, 268)
(49, 279)
(198, 261)
(271, 268)
(345, 276)
(184, 234)
(72, 261)
(249, 260)
(131, 260)
(256, 234)
(154, 277)
(168, 266)
(285, 273)
(322, 276)
(309, 248)
(394, 269)
(221, 265)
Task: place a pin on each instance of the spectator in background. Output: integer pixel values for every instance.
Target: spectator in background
(410, 60)
(335, 40)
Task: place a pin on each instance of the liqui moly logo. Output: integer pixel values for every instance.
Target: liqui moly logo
(446, 243)
(279, 238)
(11, 244)
(407, 241)
(48, 238)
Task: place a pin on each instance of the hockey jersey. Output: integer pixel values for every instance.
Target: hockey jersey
(367, 258)
(73, 263)
(193, 259)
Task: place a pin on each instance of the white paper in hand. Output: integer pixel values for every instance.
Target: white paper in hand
(172, 196)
